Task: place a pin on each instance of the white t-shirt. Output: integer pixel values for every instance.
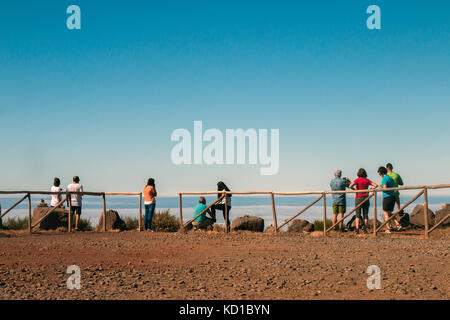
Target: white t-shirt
(75, 199)
(55, 199)
(228, 200)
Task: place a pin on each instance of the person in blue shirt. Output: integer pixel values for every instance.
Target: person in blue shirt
(339, 199)
(389, 198)
(202, 222)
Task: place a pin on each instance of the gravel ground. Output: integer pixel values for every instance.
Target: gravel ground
(208, 265)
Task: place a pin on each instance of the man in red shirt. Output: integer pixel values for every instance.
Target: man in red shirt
(362, 183)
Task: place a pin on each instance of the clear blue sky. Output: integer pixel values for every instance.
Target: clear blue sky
(102, 102)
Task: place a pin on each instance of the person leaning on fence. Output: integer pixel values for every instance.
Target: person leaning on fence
(75, 199)
(397, 182)
(56, 198)
(149, 203)
(221, 205)
(388, 198)
(202, 221)
(362, 183)
(339, 199)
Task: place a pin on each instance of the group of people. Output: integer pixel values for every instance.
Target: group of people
(389, 179)
(150, 194)
(75, 197)
(224, 205)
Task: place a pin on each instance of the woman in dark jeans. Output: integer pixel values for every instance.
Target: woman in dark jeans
(221, 205)
(149, 203)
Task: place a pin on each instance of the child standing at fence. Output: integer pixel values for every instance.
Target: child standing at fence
(149, 203)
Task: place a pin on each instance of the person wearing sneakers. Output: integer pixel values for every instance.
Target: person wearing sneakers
(221, 186)
(362, 183)
(149, 203)
(339, 199)
(397, 182)
(388, 198)
(75, 199)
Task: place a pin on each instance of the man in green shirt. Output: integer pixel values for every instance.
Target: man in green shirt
(397, 182)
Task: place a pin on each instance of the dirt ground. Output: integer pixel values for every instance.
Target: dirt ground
(209, 265)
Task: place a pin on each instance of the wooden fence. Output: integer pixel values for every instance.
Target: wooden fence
(322, 196)
(67, 197)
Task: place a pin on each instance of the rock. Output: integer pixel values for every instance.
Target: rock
(113, 222)
(417, 216)
(299, 225)
(249, 223)
(56, 219)
(441, 214)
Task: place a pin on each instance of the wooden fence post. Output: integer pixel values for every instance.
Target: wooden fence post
(374, 213)
(29, 213)
(69, 205)
(140, 211)
(324, 214)
(181, 211)
(425, 210)
(226, 211)
(275, 224)
(104, 212)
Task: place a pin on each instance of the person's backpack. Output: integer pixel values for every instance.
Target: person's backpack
(349, 224)
(404, 220)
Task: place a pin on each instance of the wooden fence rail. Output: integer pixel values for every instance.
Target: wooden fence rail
(323, 194)
(67, 199)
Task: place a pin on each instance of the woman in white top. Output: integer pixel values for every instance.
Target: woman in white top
(56, 198)
(221, 205)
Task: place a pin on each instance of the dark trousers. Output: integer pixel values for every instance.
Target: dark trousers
(149, 210)
(221, 207)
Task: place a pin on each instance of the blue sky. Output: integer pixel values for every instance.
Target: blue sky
(102, 102)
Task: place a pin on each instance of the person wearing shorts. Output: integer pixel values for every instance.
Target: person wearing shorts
(75, 199)
(362, 183)
(388, 198)
(397, 182)
(339, 199)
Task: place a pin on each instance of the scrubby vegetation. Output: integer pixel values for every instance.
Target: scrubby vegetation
(16, 223)
(318, 224)
(132, 223)
(84, 225)
(165, 222)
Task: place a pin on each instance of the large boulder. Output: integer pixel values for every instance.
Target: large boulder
(113, 222)
(249, 223)
(56, 219)
(299, 225)
(417, 216)
(441, 214)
